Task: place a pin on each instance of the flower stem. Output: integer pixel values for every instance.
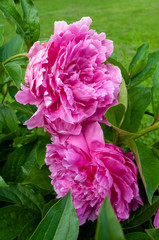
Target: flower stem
(147, 130)
(15, 56)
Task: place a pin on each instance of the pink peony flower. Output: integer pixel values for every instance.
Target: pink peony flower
(156, 219)
(92, 170)
(67, 80)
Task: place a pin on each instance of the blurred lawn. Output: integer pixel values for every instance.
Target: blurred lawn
(129, 23)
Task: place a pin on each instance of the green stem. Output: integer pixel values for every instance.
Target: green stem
(15, 56)
(147, 130)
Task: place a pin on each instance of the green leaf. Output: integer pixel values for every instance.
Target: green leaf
(28, 27)
(148, 71)
(19, 163)
(143, 214)
(2, 182)
(137, 236)
(12, 91)
(24, 139)
(13, 219)
(39, 177)
(123, 95)
(27, 109)
(8, 119)
(115, 114)
(60, 222)
(153, 233)
(155, 93)
(1, 35)
(155, 148)
(108, 226)
(31, 19)
(150, 169)
(41, 151)
(23, 196)
(13, 47)
(14, 71)
(29, 228)
(139, 61)
(139, 99)
(123, 70)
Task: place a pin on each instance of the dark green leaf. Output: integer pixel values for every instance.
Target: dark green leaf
(123, 95)
(23, 195)
(12, 91)
(14, 71)
(143, 214)
(155, 93)
(28, 27)
(31, 19)
(139, 61)
(27, 109)
(19, 163)
(24, 139)
(13, 47)
(115, 114)
(2, 182)
(137, 236)
(29, 228)
(8, 119)
(39, 177)
(150, 169)
(60, 222)
(139, 99)
(8, 136)
(123, 70)
(153, 233)
(155, 148)
(41, 151)
(108, 226)
(148, 71)
(13, 219)
(1, 35)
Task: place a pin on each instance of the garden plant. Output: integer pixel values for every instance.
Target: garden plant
(74, 159)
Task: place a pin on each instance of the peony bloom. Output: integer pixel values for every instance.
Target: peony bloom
(93, 169)
(67, 79)
(156, 219)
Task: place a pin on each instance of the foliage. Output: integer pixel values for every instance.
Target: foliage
(29, 209)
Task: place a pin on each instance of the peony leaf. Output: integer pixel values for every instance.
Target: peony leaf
(148, 71)
(29, 228)
(14, 71)
(139, 61)
(28, 26)
(22, 195)
(115, 114)
(19, 163)
(123, 95)
(1, 35)
(137, 236)
(13, 218)
(2, 182)
(143, 214)
(31, 19)
(155, 95)
(139, 99)
(153, 233)
(108, 226)
(60, 222)
(13, 47)
(150, 167)
(122, 68)
(8, 119)
(39, 177)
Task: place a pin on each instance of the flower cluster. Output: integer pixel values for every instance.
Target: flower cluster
(72, 88)
(67, 79)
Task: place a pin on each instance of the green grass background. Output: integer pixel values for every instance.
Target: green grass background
(129, 23)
